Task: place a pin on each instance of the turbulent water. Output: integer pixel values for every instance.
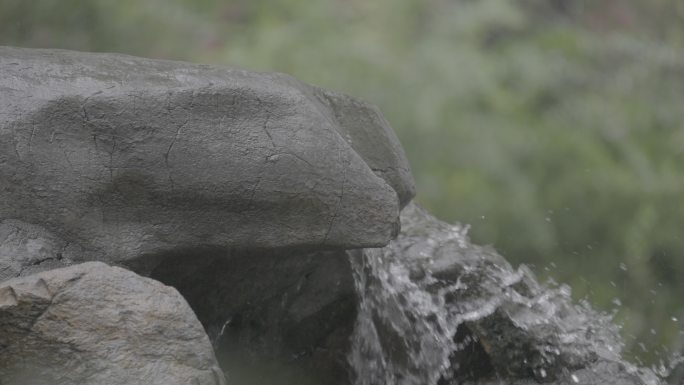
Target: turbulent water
(435, 309)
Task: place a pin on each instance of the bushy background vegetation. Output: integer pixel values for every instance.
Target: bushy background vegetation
(554, 127)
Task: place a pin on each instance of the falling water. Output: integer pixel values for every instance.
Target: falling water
(435, 309)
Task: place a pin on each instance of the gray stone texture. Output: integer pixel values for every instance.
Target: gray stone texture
(92, 324)
(126, 157)
(27, 249)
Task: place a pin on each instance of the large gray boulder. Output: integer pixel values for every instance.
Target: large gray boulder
(91, 324)
(126, 156)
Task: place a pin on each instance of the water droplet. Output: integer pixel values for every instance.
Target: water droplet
(674, 319)
(574, 379)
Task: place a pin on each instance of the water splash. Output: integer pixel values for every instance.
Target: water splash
(435, 309)
(400, 336)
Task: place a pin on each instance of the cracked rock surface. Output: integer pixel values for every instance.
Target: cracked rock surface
(27, 249)
(125, 156)
(92, 324)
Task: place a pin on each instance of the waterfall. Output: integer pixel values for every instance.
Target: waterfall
(436, 309)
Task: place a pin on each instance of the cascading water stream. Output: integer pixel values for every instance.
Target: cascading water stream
(403, 335)
(435, 309)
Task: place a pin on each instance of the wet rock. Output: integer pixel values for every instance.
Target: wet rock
(434, 308)
(95, 324)
(127, 156)
(600, 373)
(275, 317)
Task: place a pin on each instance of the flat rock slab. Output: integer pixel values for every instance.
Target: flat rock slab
(128, 156)
(92, 324)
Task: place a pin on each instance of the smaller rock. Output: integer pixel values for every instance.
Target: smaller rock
(92, 324)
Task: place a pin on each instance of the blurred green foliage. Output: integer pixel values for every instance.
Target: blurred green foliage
(554, 127)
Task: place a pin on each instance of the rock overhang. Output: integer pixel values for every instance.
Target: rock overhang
(129, 156)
